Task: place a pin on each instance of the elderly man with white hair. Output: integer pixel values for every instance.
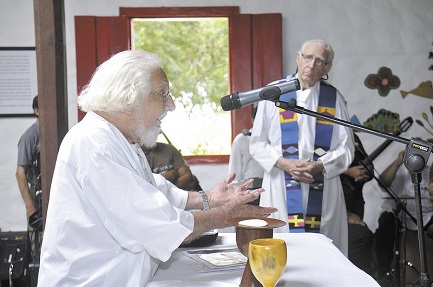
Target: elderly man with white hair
(110, 221)
(303, 157)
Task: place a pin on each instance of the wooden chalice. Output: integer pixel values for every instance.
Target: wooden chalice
(244, 235)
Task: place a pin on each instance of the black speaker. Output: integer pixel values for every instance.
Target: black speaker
(15, 257)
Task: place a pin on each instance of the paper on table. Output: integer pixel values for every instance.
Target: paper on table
(224, 258)
(211, 260)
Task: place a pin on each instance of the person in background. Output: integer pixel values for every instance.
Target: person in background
(398, 178)
(28, 173)
(168, 161)
(361, 238)
(354, 178)
(241, 162)
(110, 221)
(297, 152)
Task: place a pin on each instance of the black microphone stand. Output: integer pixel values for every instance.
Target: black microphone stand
(398, 203)
(398, 272)
(415, 160)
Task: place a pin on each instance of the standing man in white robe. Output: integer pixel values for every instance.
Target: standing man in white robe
(110, 221)
(314, 61)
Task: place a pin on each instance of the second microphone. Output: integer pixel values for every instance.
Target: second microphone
(271, 92)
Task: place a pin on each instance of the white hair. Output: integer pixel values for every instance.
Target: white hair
(324, 44)
(120, 83)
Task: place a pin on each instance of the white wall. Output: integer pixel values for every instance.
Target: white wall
(365, 34)
(19, 34)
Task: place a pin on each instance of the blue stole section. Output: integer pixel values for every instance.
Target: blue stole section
(289, 141)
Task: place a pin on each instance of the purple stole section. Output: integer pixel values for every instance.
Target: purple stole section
(289, 141)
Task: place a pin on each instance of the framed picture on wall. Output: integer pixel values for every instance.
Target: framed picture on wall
(18, 81)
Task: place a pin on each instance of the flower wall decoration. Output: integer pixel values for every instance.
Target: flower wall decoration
(383, 81)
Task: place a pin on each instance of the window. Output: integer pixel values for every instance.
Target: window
(255, 51)
(195, 56)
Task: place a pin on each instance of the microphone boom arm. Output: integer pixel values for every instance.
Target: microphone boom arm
(300, 110)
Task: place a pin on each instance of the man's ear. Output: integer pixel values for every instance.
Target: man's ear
(36, 112)
(328, 68)
(298, 60)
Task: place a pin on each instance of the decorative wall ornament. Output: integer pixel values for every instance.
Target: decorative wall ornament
(384, 121)
(383, 81)
(425, 117)
(424, 90)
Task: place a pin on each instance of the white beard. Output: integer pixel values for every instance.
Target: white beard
(148, 137)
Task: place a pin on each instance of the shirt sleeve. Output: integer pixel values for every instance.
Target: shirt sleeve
(178, 197)
(28, 146)
(265, 143)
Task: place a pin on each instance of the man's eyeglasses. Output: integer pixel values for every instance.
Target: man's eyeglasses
(317, 61)
(165, 96)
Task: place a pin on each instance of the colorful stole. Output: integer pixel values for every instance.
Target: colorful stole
(289, 140)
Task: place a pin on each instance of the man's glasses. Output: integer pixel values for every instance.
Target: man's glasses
(165, 96)
(317, 61)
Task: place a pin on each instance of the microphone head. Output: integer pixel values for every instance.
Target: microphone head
(228, 103)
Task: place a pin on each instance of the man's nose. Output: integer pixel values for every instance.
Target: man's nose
(170, 105)
(312, 63)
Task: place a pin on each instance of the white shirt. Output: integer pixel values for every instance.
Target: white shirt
(265, 147)
(241, 162)
(108, 224)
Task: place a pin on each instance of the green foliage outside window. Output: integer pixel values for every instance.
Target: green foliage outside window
(194, 54)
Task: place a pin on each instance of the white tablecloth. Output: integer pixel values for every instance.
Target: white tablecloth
(312, 260)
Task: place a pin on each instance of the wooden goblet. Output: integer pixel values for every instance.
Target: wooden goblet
(244, 235)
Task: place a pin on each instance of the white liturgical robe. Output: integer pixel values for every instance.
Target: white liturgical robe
(266, 148)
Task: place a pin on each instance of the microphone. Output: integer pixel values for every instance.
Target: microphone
(271, 93)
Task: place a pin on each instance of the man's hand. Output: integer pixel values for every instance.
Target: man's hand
(30, 210)
(358, 173)
(227, 202)
(223, 192)
(233, 210)
(300, 170)
(355, 219)
(24, 190)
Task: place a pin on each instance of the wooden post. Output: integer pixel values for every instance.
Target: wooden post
(52, 92)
